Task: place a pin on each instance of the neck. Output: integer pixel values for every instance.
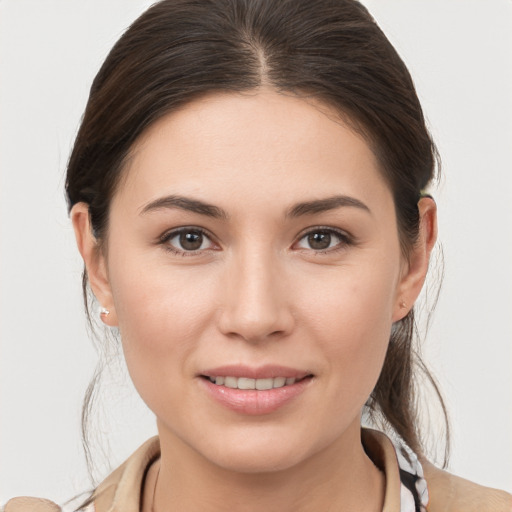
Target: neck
(340, 477)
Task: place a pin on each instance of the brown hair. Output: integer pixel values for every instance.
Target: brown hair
(331, 50)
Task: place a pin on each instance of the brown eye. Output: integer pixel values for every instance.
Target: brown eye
(319, 240)
(187, 240)
(323, 240)
(191, 241)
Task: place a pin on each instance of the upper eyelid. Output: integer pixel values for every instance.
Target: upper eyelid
(345, 239)
(170, 233)
(338, 231)
(164, 239)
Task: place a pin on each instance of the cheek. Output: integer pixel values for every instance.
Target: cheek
(352, 318)
(161, 312)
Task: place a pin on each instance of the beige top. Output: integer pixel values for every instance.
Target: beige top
(121, 491)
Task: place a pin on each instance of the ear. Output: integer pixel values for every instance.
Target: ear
(415, 269)
(94, 260)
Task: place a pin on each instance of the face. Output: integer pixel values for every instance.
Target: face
(253, 242)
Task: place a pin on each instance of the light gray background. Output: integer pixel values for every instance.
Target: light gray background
(459, 53)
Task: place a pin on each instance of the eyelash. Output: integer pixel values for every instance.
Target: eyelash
(166, 237)
(345, 240)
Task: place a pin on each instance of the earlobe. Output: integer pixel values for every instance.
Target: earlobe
(94, 261)
(411, 282)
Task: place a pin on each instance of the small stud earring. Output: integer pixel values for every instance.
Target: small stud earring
(104, 312)
(403, 305)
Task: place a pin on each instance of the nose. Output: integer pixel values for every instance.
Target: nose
(256, 302)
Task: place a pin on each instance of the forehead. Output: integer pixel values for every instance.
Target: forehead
(251, 145)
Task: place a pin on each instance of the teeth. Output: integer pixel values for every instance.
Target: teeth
(259, 384)
(279, 382)
(231, 382)
(244, 383)
(263, 384)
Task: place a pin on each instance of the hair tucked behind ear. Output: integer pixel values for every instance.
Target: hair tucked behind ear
(331, 50)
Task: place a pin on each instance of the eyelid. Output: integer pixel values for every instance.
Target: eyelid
(345, 237)
(171, 233)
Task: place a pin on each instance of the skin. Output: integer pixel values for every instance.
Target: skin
(257, 292)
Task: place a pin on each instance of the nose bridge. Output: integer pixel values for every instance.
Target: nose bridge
(254, 305)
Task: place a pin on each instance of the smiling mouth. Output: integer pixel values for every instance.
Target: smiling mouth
(246, 383)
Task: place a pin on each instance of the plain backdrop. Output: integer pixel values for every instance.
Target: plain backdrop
(459, 53)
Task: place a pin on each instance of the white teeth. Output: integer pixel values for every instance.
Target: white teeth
(247, 383)
(231, 382)
(279, 382)
(263, 384)
(244, 383)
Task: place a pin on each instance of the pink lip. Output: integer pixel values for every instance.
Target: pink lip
(252, 402)
(262, 372)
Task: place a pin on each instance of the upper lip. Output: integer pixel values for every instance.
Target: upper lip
(260, 372)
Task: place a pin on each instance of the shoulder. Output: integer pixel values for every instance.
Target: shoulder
(26, 504)
(30, 505)
(122, 487)
(450, 493)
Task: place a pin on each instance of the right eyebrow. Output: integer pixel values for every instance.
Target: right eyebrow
(323, 205)
(184, 203)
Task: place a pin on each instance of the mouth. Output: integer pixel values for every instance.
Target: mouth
(255, 392)
(248, 383)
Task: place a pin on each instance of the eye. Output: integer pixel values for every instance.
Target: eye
(187, 240)
(323, 239)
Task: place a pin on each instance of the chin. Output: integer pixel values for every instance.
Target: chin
(257, 451)
(254, 460)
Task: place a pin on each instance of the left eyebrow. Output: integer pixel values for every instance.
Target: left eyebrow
(323, 205)
(184, 203)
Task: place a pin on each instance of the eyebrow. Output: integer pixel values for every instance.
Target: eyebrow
(185, 203)
(323, 205)
(210, 210)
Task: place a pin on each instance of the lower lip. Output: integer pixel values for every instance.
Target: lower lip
(253, 402)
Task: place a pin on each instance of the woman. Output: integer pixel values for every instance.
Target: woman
(247, 190)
